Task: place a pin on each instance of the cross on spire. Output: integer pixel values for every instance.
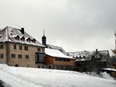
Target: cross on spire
(43, 32)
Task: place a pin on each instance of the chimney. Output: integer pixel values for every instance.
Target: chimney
(96, 51)
(22, 30)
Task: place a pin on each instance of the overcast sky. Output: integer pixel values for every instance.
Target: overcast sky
(75, 25)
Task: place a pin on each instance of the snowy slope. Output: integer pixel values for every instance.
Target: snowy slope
(32, 77)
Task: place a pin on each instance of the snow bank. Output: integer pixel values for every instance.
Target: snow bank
(34, 77)
(106, 76)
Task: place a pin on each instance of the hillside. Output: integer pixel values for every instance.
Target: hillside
(33, 77)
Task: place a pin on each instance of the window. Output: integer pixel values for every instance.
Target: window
(38, 49)
(64, 59)
(28, 39)
(33, 40)
(13, 55)
(20, 47)
(26, 47)
(14, 46)
(17, 37)
(1, 46)
(11, 34)
(60, 59)
(27, 56)
(56, 59)
(39, 58)
(0, 36)
(1, 56)
(19, 56)
(68, 60)
(23, 38)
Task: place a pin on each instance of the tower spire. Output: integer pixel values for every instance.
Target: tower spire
(44, 38)
(43, 32)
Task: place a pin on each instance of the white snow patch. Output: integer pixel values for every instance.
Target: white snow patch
(34, 77)
(106, 76)
(56, 53)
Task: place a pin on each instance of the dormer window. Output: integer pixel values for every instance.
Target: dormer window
(80, 57)
(84, 57)
(28, 39)
(11, 34)
(33, 40)
(0, 36)
(11, 30)
(17, 37)
(23, 38)
(77, 57)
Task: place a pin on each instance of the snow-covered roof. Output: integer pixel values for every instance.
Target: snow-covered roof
(15, 35)
(79, 53)
(56, 53)
(56, 47)
(109, 69)
(86, 55)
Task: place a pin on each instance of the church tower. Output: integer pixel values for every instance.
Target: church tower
(44, 38)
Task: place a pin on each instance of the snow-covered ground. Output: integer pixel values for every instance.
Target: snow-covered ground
(34, 77)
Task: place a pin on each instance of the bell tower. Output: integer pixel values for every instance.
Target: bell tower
(44, 38)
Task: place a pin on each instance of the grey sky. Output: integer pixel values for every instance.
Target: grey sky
(73, 24)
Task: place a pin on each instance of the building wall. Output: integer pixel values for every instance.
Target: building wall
(69, 63)
(3, 52)
(11, 51)
(28, 56)
(49, 60)
(52, 60)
